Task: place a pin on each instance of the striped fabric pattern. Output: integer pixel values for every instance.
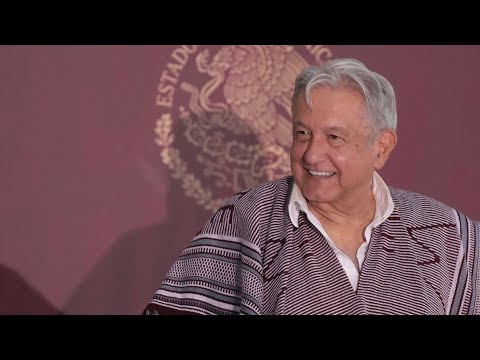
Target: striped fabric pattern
(250, 259)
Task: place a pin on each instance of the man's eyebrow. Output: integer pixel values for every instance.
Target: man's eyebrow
(298, 123)
(339, 129)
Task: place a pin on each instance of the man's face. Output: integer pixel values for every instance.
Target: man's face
(330, 157)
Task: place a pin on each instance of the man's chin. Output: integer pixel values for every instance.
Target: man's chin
(319, 198)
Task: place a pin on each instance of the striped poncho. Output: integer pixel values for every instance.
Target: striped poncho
(250, 259)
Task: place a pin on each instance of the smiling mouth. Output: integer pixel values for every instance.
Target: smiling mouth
(321, 173)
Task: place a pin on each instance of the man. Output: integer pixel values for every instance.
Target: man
(334, 238)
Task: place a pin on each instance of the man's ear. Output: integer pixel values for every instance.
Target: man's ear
(384, 144)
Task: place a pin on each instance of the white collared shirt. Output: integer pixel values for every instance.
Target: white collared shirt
(383, 209)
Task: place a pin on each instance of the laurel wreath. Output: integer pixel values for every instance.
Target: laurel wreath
(179, 168)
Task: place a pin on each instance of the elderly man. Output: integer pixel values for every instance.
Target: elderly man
(333, 238)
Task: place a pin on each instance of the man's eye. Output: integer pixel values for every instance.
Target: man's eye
(301, 132)
(334, 137)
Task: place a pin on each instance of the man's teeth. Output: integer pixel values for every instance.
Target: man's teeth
(321, 173)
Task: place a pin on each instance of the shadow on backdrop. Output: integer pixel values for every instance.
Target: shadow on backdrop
(17, 297)
(226, 157)
(125, 279)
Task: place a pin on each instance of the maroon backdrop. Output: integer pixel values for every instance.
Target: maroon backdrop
(91, 215)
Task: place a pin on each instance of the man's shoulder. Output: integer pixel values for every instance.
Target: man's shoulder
(255, 206)
(267, 192)
(417, 202)
(402, 195)
(414, 205)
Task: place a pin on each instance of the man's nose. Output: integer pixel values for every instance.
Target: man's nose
(317, 151)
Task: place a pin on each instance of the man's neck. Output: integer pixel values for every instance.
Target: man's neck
(357, 213)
